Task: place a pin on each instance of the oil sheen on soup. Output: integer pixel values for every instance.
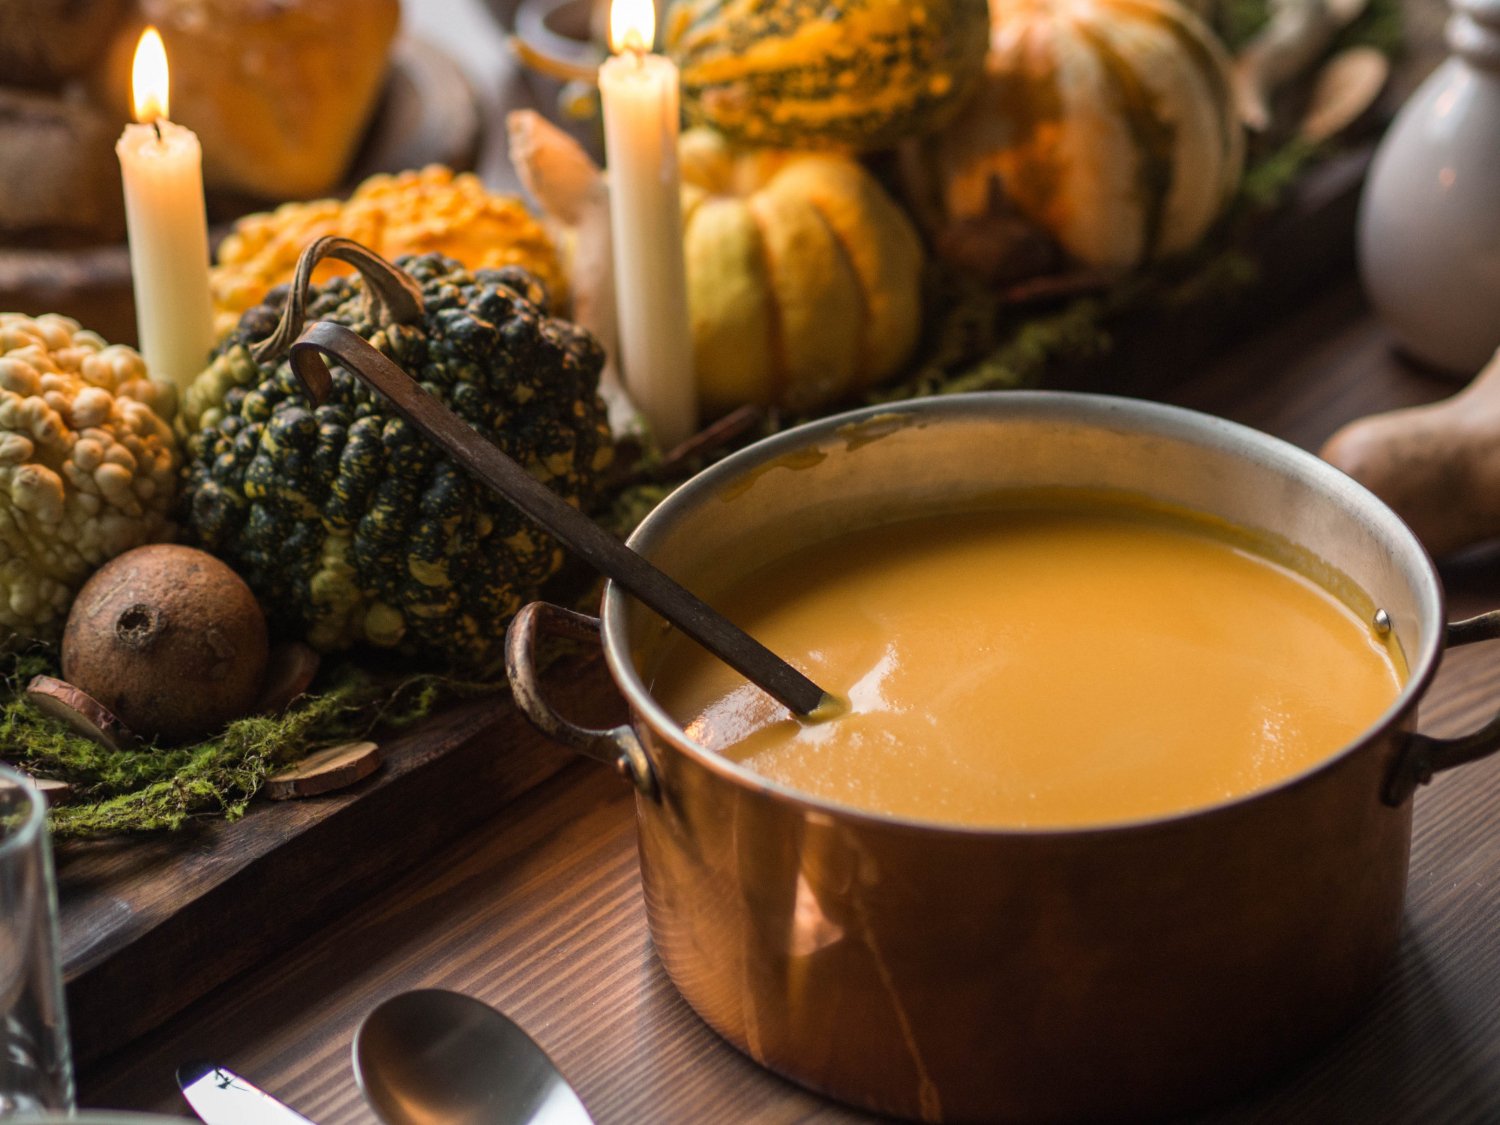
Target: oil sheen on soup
(1065, 665)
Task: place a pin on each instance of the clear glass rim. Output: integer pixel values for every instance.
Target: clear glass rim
(25, 834)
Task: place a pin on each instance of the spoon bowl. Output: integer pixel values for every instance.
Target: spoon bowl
(433, 1057)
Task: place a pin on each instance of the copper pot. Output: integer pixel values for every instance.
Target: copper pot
(952, 974)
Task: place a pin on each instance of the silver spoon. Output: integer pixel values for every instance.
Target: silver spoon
(433, 1057)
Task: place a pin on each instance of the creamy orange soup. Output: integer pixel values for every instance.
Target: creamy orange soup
(1074, 665)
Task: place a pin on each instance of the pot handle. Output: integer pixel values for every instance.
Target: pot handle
(617, 747)
(1424, 755)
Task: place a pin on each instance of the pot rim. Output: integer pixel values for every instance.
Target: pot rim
(1114, 411)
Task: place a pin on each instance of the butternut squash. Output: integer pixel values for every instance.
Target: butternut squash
(1437, 466)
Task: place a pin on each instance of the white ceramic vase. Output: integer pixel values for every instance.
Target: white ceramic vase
(1429, 222)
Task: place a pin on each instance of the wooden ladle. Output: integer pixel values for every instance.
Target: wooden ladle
(599, 548)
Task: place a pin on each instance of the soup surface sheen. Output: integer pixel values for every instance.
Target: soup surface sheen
(1066, 666)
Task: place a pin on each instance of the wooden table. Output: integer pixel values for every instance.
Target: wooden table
(539, 911)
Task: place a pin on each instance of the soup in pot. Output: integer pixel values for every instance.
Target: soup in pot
(1043, 664)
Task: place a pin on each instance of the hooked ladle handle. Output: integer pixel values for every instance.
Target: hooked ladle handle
(596, 546)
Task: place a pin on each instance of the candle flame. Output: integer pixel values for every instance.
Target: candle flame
(148, 77)
(632, 25)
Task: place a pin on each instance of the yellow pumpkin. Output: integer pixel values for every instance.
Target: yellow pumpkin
(1109, 124)
(804, 276)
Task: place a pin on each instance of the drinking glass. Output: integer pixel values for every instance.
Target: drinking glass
(36, 1066)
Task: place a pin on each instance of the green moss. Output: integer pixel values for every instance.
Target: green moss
(982, 347)
(1237, 20)
(1380, 26)
(154, 788)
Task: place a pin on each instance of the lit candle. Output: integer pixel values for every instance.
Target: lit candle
(639, 94)
(162, 168)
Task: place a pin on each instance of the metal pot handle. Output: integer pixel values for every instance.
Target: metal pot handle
(617, 747)
(1424, 755)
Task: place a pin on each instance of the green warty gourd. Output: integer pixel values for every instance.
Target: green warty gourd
(347, 522)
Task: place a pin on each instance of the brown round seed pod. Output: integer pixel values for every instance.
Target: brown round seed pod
(169, 639)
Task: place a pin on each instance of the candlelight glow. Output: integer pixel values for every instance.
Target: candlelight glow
(148, 78)
(632, 25)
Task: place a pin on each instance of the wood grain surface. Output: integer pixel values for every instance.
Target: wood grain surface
(539, 912)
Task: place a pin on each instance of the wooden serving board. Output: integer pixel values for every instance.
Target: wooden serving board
(149, 925)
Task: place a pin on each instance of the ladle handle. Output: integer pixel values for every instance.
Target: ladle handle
(614, 746)
(597, 547)
(1425, 755)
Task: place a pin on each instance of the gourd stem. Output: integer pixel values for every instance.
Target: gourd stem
(392, 296)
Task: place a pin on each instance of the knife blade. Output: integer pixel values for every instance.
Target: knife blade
(221, 1097)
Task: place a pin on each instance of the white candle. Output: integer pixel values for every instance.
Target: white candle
(640, 99)
(162, 168)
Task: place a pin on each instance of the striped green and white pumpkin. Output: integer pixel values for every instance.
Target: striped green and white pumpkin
(1108, 123)
(853, 74)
